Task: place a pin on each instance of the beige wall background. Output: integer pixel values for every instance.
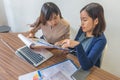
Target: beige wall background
(18, 14)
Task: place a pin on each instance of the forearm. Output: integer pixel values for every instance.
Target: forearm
(33, 31)
(82, 57)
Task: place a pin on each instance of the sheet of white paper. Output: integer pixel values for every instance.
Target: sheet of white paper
(27, 41)
(61, 71)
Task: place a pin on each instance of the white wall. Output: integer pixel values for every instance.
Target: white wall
(20, 13)
(112, 57)
(2, 14)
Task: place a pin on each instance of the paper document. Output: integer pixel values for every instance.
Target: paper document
(60, 71)
(38, 42)
(27, 41)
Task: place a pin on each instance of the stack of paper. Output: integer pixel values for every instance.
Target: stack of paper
(60, 71)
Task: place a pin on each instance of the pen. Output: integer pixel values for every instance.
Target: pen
(44, 38)
(40, 75)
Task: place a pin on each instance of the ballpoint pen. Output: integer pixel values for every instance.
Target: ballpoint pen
(40, 75)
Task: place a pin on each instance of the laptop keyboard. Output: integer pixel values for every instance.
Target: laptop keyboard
(30, 55)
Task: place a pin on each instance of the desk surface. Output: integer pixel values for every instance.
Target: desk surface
(11, 66)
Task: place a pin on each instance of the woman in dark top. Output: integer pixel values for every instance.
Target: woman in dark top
(90, 40)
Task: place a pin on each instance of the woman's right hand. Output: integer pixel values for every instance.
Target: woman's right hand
(31, 35)
(67, 43)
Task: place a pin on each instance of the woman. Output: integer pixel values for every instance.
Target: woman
(52, 24)
(90, 40)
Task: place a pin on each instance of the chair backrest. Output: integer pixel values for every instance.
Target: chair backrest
(103, 53)
(4, 28)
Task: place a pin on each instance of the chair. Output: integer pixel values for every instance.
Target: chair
(4, 28)
(103, 54)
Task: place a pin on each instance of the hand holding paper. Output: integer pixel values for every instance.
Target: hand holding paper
(38, 43)
(27, 41)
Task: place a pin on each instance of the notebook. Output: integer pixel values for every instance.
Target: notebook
(33, 57)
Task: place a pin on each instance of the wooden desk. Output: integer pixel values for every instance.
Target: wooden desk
(11, 66)
(96, 73)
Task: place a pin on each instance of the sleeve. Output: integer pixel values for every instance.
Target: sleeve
(87, 61)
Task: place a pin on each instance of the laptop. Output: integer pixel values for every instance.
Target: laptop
(33, 57)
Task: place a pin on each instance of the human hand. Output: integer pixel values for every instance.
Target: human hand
(67, 43)
(31, 35)
(59, 43)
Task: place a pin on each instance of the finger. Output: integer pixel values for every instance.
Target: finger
(65, 45)
(57, 44)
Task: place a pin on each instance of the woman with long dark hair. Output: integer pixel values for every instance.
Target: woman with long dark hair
(90, 40)
(52, 24)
